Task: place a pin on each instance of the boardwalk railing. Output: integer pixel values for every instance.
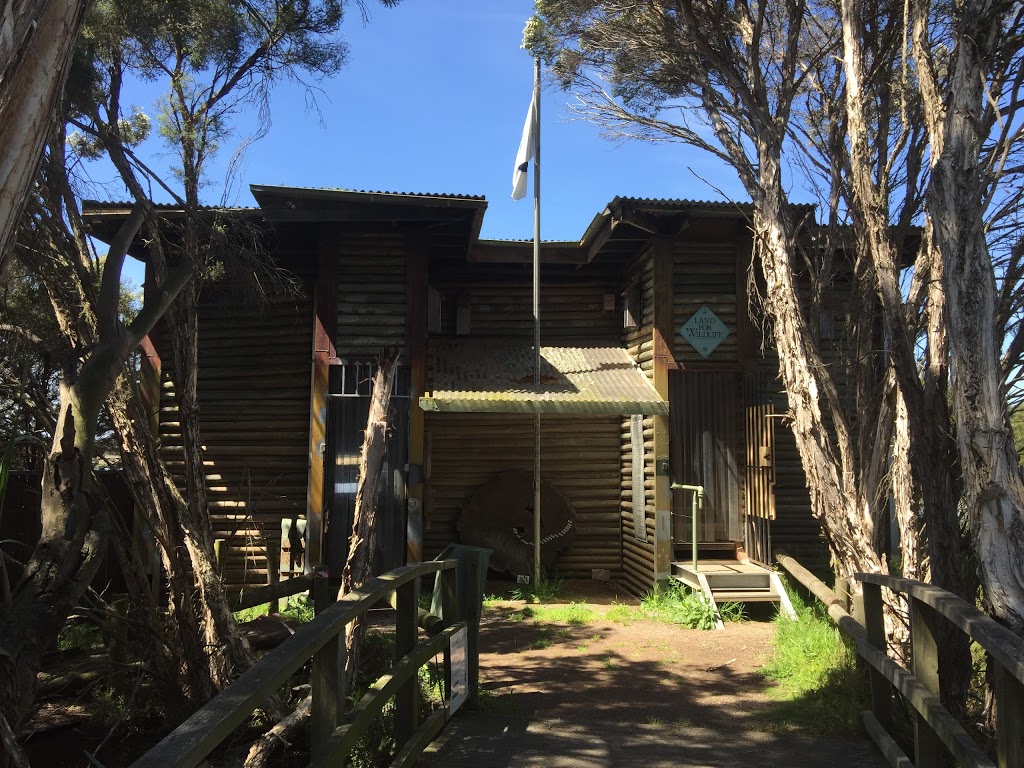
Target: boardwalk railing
(333, 731)
(936, 731)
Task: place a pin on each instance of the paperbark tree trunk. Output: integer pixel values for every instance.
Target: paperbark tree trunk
(37, 41)
(74, 525)
(993, 490)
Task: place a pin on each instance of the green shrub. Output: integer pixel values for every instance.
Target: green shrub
(679, 605)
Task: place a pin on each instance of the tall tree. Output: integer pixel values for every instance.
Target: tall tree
(218, 58)
(37, 41)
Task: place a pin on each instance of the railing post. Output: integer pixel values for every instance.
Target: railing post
(406, 629)
(273, 572)
(924, 650)
(473, 597)
(327, 679)
(1009, 692)
(874, 623)
(451, 612)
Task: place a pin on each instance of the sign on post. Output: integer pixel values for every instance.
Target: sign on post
(704, 331)
(459, 670)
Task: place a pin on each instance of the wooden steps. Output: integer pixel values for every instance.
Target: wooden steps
(740, 581)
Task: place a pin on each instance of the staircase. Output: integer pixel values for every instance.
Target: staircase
(741, 581)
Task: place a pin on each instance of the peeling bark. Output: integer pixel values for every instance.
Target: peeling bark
(37, 41)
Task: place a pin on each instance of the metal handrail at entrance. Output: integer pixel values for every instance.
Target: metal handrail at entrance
(697, 508)
(322, 640)
(936, 731)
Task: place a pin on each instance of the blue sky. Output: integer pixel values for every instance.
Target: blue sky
(433, 99)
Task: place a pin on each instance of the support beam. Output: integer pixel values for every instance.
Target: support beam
(416, 352)
(324, 329)
(664, 360)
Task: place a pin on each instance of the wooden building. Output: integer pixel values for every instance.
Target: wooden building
(652, 373)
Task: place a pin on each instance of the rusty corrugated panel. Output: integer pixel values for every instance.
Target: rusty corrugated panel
(481, 376)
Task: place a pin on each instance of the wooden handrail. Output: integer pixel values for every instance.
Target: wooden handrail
(191, 742)
(936, 727)
(250, 598)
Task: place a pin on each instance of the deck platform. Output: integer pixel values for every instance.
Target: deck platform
(741, 581)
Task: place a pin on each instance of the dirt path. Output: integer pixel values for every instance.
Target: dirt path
(629, 693)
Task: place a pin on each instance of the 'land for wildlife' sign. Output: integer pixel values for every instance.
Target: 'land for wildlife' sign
(704, 331)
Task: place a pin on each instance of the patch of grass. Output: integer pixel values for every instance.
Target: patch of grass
(621, 614)
(490, 601)
(609, 663)
(819, 686)
(655, 720)
(299, 609)
(581, 647)
(79, 635)
(541, 643)
(679, 605)
(543, 591)
(573, 614)
(564, 633)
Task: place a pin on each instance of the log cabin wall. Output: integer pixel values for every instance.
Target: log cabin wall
(638, 554)
(371, 294)
(254, 369)
(579, 455)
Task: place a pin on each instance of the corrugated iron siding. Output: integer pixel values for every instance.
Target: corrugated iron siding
(254, 374)
(704, 273)
(371, 294)
(578, 456)
(638, 556)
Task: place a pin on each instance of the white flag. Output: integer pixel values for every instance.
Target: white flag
(527, 152)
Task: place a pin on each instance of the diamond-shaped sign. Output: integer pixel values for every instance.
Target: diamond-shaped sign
(704, 331)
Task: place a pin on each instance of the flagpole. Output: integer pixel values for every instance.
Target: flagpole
(536, 322)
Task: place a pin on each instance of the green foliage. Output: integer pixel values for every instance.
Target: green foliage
(819, 686)
(544, 591)
(678, 605)
(1017, 425)
(79, 636)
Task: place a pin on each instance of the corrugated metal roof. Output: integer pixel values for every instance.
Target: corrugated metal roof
(126, 205)
(366, 192)
(497, 377)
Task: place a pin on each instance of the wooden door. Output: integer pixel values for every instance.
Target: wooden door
(760, 465)
(706, 436)
(351, 390)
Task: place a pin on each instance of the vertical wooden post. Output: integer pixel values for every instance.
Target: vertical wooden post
(473, 599)
(874, 622)
(327, 677)
(218, 555)
(924, 650)
(664, 359)
(451, 613)
(273, 571)
(416, 351)
(406, 629)
(1009, 692)
(325, 310)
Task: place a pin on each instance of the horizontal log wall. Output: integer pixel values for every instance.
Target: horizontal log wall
(371, 294)
(638, 556)
(578, 456)
(254, 374)
(499, 298)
